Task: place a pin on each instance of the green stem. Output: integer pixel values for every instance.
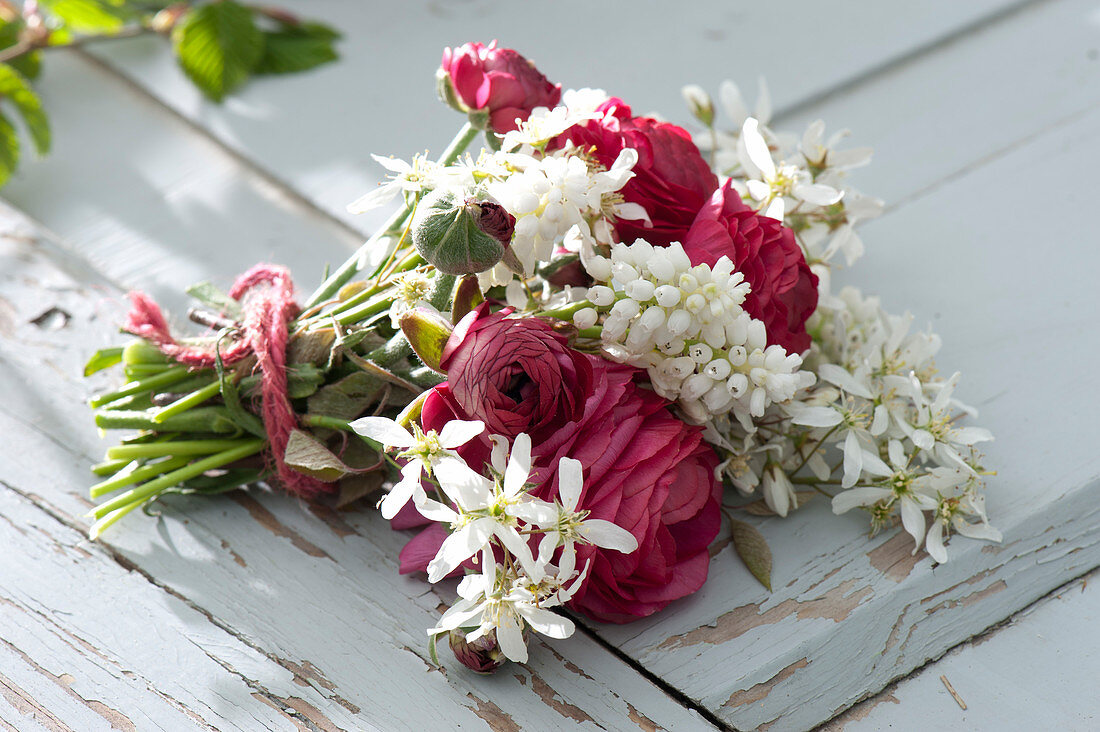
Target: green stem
(174, 447)
(442, 289)
(364, 311)
(109, 467)
(193, 399)
(320, 420)
(566, 312)
(202, 419)
(171, 376)
(347, 270)
(136, 476)
(144, 492)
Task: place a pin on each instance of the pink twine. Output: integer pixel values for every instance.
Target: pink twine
(266, 293)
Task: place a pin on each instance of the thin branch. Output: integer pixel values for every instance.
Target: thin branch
(22, 48)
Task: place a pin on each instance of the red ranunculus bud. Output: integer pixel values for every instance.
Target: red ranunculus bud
(497, 81)
(482, 655)
(493, 219)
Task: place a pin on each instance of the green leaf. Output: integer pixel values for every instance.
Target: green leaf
(104, 358)
(29, 64)
(90, 16)
(9, 150)
(346, 398)
(287, 53)
(308, 456)
(753, 550)
(213, 297)
(218, 46)
(15, 89)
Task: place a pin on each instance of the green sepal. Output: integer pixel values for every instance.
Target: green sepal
(427, 332)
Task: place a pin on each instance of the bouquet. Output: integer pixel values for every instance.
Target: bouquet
(564, 358)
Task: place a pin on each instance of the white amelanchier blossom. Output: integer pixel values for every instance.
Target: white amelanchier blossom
(422, 174)
(490, 509)
(495, 601)
(774, 184)
(551, 194)
(572, 525)
(426, 452)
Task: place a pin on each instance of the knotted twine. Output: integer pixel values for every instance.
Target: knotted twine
(266, 294)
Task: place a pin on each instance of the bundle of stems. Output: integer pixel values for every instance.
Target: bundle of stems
(198, 429)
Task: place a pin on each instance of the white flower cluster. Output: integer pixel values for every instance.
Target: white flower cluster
(494, 522)
(880, 425)
(551, 194)
(686, 326)
(890, 421)
(800, 180)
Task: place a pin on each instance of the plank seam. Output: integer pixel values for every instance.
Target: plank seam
(977, 638)
(896, 62)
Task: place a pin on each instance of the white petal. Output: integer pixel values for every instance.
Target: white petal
(818, 194)
(510, 639)
(730, 97)
(976, 531)
(816, 416)
(402, 491)
(853, 460)
(847, 500)
(458, 432)
(460, 546)
(570, 482)
(519, 548)
(874, 465)
(519, 465)
(934, 543)
(776, 209)
(912, 518)
(535, 511)
(971, 435)
(758, 189)
(546, 622)
(840, 377)
(461, 483)
(383, 430)
(547, 545)
(757, 148)
(607, 535)
(923, 439)
(380, 196)
(392, 164)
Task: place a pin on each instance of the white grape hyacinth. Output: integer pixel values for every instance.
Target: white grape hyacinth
(686, 326)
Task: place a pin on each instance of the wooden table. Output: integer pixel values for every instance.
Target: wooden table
(252, 611)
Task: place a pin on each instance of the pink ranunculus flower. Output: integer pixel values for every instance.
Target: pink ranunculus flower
(784, 290)
(671, 180)
(518, 372)
(644, 469)
(498, 80)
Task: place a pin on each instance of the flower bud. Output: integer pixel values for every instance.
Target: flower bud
(460, 236)
(427, 332)
(700, 104)
(482, 655)
(494, 86)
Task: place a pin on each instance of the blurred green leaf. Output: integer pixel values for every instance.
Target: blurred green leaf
(90, 16)
(286, 53)
(14, 88)
(9, 150)
(28, 64)
(218, 46)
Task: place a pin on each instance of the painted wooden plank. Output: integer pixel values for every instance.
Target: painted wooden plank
(1037, 672)
(87, 644)
(313, 595)
(1010, 289)
(315, 131)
